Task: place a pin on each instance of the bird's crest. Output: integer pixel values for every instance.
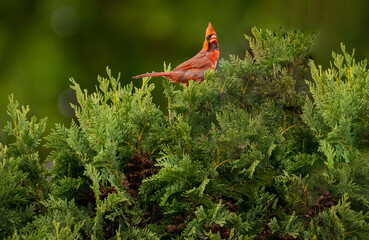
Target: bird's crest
(210, 30)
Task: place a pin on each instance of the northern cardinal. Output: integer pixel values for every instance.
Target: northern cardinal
(194, 68)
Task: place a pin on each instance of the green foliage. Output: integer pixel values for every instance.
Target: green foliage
(338, 116)
(290, 226)
(23, 175)
(216, 217)
(62, 220)
(253, 152)
(339, 222)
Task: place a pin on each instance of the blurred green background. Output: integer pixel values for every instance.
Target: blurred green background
(43, 43)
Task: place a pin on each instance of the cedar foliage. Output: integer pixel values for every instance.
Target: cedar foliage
(255, 151)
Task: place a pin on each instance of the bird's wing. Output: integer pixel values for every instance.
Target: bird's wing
(200, 60)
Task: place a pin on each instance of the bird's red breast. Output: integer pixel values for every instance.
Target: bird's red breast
(194, 68)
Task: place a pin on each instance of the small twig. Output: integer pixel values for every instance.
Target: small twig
(208, 104)
(206, 136)
(219, 164)
(244, 89)
(274, 74)
(221, 89)
(285, 128)
(169, 111)
(139, 137)
(305, 194)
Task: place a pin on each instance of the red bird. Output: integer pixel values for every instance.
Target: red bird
(194, 68)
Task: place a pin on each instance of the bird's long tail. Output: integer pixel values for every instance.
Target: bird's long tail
(155, 74)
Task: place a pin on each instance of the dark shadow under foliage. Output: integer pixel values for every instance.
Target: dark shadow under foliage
(255, 151)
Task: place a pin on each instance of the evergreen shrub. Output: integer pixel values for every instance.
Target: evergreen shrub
(269, 146)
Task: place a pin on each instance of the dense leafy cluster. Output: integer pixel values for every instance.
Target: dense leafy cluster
(255, 151)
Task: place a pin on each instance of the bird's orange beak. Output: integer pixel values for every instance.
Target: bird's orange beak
(213, 38)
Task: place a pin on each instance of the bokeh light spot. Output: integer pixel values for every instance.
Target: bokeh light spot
(65, 100)
(65, 21)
